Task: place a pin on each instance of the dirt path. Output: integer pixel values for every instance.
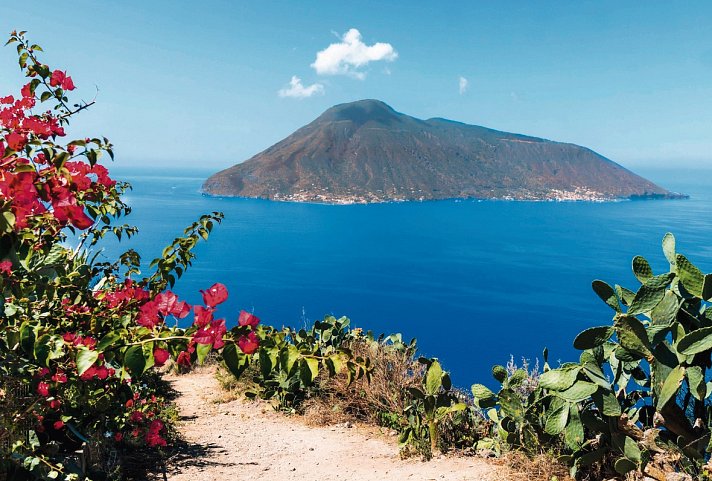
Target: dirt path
(248, 441)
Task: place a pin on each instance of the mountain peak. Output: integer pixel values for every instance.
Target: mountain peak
(360, 112)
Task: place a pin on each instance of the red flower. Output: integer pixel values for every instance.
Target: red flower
(55, 404)
(58, 425)
(42, 372)
(136, 417)
(59, 377)
(153, 436)
(203, 316)
(15, 141)
(89, 374)
(247, 319)
(43, 389)
(183, 359)
(148, 315)
(118, 437)
(216, 294)
(68, 83)
(60, 78)
(212, 334)
(168, 304)
(6, 267)
(248, 344)
(26, 91)
(129, 403)
(102, 372)
(160, 356)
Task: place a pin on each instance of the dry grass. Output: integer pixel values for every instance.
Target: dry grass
(519, 466)
(380, 401)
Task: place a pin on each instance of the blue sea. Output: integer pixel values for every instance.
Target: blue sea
(474, 281)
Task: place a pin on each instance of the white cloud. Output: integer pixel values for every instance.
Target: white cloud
(351, 54)
(297, 90)
(464, 84)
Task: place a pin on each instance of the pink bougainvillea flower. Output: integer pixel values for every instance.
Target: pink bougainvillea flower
(216, 294)
(43, 389)
(183, 359)
(15, 141)
(247, 319)
(203, 316)
(6, 267)
(212, 334)
(160, 356)
(56, 78)
(102, 372)
(148, 315)
(68, 83)
(153, 436)
(26, 91)
(168, 304)
(249, 343)
(89, 374)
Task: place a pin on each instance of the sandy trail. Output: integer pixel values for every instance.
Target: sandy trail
(240, 441)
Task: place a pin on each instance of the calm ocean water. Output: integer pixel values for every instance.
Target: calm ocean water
(474, 282)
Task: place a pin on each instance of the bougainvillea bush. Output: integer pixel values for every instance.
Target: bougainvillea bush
(77, 335)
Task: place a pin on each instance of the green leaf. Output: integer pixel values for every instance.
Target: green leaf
(559, 379)
(556, 420)
(707, 288)
(633, 336)
(696, 380)
(691, 277)
(669, 248)
(499, 373)
(650, 294)
(642, 269)
(511, 404)
(202, 350)
(606, 293)
(666, 311)
(607, 402)
(695, 342)
(289, 356)
(108, 340)
(309, 370)
(482, 394)
(670, 387)
(595, 374)
(573, 433)
(593, 337)
(580, 391)
(27, 338)
(631, 449)
(85, 359)
(235, 361)
(624, 466)
(433, 378)
(134, 360)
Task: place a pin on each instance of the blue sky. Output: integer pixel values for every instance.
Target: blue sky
(191, 83)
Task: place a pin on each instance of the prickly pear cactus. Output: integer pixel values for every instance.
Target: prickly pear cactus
(640, 387)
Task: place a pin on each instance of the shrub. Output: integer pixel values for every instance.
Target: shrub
(77, 336)
(638, 398)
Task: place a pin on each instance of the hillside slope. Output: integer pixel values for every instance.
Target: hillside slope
(365, 151)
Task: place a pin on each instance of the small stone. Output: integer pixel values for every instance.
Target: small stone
(677, 477)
